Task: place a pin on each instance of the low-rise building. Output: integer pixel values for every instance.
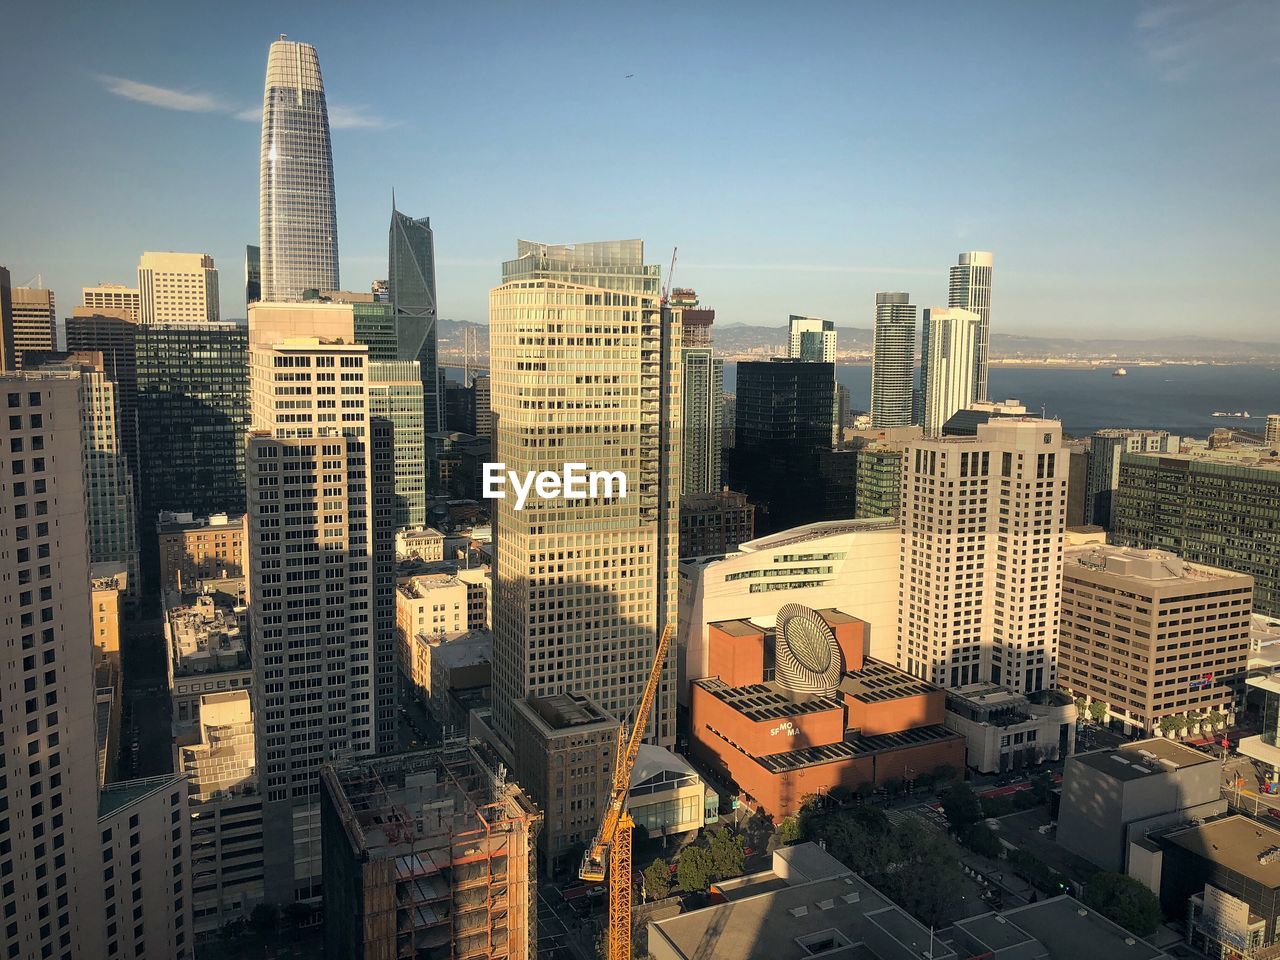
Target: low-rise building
(427, 854)
(1004, 730)
(799, 709)
(452, 673)
(431, 605)
(667, 795)
(1113, 798)
(193, 548)
(207, 640)
(1151, 635)
(420, 543)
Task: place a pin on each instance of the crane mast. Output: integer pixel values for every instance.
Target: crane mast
(610, 851)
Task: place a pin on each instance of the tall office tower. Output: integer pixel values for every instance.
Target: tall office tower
(586, 369)
(178, 288)
(1219, 507)
(893, 360)
(810, 338)
(970, 289)
(32, 323)
(193, 409)
(252, 273)
(1272, 436)
(374, 319)
(112, 516)
(783, 422)
(411, 287)
(113, 332)
(481, 409)
(6, 321)
(75, 897)
(112, 297)
(297, 214)
(949, 340)
(981, 560)
(703, 419)
(316, 599)
(395, 394)
(1105, 448)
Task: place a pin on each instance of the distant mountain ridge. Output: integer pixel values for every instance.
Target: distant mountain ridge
(739, 340)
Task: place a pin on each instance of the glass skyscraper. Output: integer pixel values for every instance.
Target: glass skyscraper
(297, 218)
(893, 362)
(411, 282)
(193, 410)
(969, 288)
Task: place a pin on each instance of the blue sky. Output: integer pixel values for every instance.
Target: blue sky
(1120, 159)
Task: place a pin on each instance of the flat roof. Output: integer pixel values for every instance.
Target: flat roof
(738, 628)
(878, 681)
(766, 701)
(855, 745)
(766, 926)
(1144, 758)
(1242, 845)
(1068, 930)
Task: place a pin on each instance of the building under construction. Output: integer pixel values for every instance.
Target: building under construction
(428, 855)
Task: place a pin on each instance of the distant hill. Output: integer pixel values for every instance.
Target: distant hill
(741, 340)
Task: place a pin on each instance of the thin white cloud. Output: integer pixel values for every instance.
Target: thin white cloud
(340, 117)
(163, 97)
(1180, 38)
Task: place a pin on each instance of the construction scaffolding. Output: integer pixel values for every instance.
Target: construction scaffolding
(434, 857)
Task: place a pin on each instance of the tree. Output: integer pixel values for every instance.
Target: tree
(265, 917)
(944, 773)
(961, 806)
(1097, 711)
(1125, 901)
(1216, 719)
(1168, 726)
(657, 879)
(1042, 787)
(727, 854)
(1082, 707)
(981, 839)
(789, 830)
(1180, 724)
(866, 790)
(695, 870)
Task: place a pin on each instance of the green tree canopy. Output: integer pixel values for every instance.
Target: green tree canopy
(657, 879)
(981, 839)
(789, 830)
(1097, 711)
(726, 854)
(961, 805)
(695, 870)
(1125, 901)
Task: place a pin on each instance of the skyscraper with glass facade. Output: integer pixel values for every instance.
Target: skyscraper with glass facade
(411, 285)
(395, 395)
(297, 216)
(950, 339)
(193, 410)
(893, 360)
(970, 289)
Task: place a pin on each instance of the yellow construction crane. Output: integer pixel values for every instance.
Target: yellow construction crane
(613, 839)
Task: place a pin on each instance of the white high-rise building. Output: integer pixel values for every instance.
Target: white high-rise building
(1272, 435)
(114, 296)
(177, 288)
(811, 338)
(297, 214)
(970, 289)
(703, 420)
(893, 360)
(312, 480)
(983, 522)
(949, 342)
(585, 367)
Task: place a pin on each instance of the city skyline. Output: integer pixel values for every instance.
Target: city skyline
(834, 242)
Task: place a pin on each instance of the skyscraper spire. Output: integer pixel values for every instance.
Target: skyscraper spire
(297, 222)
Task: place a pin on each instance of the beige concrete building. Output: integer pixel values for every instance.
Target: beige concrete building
(420, 543)
(479, 581)
(1006, 731)
(113, 297)
(208, 644)
(193, 549)
(177, 288)
(453, 674)
(80, 897)
(1151, 635)
(852, 564)
(217, 755)
(983, 520)
(106, 587)
(324, 660)
(566, 742)
(33, 322)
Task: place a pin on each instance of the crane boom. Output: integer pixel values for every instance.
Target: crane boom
(671, 273)
(613, 838)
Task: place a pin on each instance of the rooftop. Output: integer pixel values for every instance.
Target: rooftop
(877, 682)
(565, 711)
(816, 531)
(853, 746)
(1243, 845)
(766, 701)
(114, 796)
(206, 636)
(1144, 758)
(1063, 929)
(464, 649)
(1258, 458)
(1134, 564)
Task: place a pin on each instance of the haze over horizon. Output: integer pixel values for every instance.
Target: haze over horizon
(1116, 158)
